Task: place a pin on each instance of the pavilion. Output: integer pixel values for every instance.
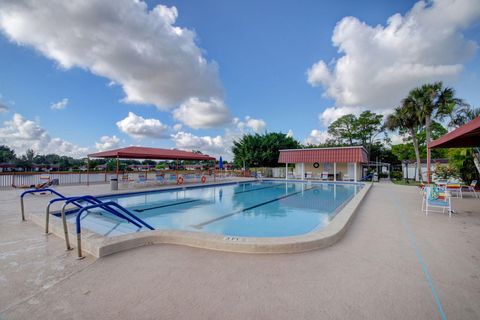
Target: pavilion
(149, 153)
(466, 136)
(340, 163)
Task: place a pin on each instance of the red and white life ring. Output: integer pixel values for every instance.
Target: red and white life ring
(204, 179)
(180, 180)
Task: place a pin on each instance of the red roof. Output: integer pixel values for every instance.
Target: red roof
(465, 136)
(340, 154)
(150, 153)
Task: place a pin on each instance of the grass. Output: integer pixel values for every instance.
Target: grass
(402, 182)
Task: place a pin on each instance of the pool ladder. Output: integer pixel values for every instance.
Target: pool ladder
(110, 207)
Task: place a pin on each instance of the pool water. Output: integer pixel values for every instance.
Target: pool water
(254, 209)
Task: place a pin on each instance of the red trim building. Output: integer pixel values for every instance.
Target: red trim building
(465, 136)
(150, 153)
(340, 163)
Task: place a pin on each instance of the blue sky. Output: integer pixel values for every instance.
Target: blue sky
(262, 60)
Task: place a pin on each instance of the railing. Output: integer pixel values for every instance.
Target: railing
(27, 179)
(110, 207)
(101, 205)
(22, 207)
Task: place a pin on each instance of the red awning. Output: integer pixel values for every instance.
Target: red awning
(340, 154)
(465, 136)
(150, 153)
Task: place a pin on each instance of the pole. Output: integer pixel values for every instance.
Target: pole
(286, 171)
(335, 172)
(176, 169)
(88, 171)
(428, 163)
(117, 167)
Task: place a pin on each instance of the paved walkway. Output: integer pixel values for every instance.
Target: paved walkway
(393, 263)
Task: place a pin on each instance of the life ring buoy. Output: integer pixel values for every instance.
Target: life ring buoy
(316, 165)
(180, 180)
(204, 179)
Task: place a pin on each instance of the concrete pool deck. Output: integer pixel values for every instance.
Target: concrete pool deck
(393, 262)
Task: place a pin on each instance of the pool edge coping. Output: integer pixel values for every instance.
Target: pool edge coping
(100, 246)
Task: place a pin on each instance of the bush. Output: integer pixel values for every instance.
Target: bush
(446, 171)
(396, 175)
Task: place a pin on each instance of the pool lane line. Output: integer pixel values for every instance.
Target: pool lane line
(167, 205)
(201, 225)
(421, 260)
(194, 200)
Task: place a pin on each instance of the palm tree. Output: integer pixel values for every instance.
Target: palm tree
(405, 120)
(433, 101)
(462, 115)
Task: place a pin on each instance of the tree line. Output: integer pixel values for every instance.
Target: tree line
(423, 115)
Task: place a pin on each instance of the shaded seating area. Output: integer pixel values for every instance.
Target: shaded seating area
(325, 164)
(466, 136)
(158, 177)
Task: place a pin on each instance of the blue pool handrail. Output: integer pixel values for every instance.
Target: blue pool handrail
(93, 200)
(74, 201)
(22, 208)
(99, 205)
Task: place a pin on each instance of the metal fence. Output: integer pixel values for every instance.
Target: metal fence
(26, 179)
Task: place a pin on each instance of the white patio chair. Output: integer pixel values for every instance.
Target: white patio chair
(471, 188)
(324, 175)
(435, 197)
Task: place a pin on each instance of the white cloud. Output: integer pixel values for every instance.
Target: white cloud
(317, 137)
(59, 105)
(331, 114)
(177, 127)
(139, 127)
(256, 125)
(107, 143)
(22, 134)
(214, 146)
(202, 114)
(142, 50)
(380, 64)
(219, 145)
(290, 133)
(3, 108)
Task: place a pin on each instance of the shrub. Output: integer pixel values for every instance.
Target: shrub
(396, 175)
(446, 171)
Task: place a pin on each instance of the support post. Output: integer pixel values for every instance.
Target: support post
(176, 170)
(428, 163)
(88, 171)
(286, 171)
(355, 172)
(334, 171)
(118, 166)
(303, 170)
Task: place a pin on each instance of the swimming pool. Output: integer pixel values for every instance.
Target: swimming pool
(251, 209)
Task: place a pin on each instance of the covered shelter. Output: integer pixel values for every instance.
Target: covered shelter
(466, 136)
(150, 154)
(339, 163)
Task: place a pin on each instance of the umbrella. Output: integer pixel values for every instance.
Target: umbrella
(220, 163)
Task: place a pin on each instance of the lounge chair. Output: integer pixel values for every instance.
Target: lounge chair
(455, 186)
(436, 197)
(160, 178)
(471, 188)
(324, 175)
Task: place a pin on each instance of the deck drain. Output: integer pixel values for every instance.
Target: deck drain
(231, 238)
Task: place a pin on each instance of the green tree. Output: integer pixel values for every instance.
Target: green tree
(261, 150)
(7, 154)
(362, 130)
(433, 101)
(344, 129)
(404, 120)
